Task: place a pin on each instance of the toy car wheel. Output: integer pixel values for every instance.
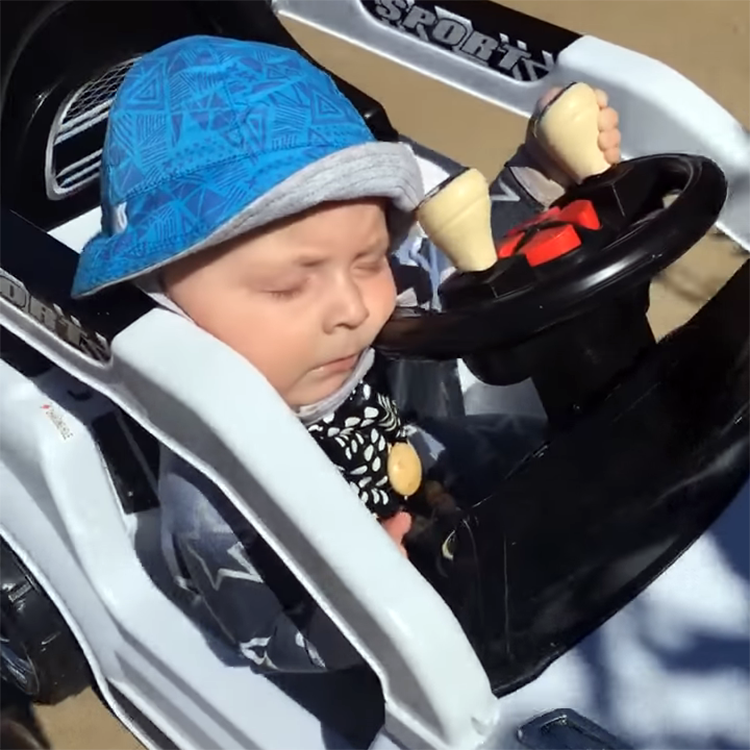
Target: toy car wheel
(38, 654)
(14, 734)
(19, 727)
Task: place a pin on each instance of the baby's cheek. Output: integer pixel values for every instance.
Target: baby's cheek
(276, 356)
(383, 299)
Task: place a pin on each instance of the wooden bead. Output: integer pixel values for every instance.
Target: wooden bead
(404, 469)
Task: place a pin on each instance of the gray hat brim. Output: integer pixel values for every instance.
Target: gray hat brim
(369, 170)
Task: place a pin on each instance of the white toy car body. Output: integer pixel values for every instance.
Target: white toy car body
(82, 399)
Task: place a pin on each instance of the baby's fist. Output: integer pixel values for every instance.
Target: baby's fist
(540, 151)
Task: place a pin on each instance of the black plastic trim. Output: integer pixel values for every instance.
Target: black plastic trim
(565, 728)
(46, 268)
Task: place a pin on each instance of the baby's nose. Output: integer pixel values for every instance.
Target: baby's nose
(349, 308)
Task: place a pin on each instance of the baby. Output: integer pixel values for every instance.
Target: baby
(241, 189)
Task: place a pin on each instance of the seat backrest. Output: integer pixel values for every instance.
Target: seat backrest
(62, 63)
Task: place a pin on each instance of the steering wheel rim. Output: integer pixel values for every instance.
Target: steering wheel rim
(569, 286)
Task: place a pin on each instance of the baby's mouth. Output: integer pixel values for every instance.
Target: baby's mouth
(344, 364)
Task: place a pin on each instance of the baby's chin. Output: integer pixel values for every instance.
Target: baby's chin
(319, 389)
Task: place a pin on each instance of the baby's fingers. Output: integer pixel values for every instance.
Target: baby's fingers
(609, 119)
(601, 98)
(609, 135)
(397, 527)
(612, 156)
(609, 139)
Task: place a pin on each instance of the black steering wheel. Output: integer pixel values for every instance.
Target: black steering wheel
(525, 294)
(565, 304)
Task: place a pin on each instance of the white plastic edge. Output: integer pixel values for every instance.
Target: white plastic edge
(78, 634)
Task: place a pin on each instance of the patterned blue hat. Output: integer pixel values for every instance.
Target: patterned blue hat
(210, 137)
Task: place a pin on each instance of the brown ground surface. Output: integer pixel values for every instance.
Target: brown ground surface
(706, 40)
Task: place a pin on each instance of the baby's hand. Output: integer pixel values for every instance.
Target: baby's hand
(609, 134)
(397, 527)
(534, 156)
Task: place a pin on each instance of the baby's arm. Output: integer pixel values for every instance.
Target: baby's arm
(228, 568)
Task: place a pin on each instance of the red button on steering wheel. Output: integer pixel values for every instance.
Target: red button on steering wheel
(551, 234)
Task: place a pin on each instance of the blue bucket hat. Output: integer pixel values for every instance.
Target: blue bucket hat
(210, 137)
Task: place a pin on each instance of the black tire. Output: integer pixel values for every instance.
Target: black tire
(39, 655)
(15, 735)
(19, 728)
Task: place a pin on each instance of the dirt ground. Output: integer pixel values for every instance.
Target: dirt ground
(706, 40)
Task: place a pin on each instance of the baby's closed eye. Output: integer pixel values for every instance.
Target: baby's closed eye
(372, 261)
(289, 293)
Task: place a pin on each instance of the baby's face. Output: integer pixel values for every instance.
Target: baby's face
(300, 300)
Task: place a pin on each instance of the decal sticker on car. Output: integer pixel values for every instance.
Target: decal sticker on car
(454, 28)
(58, 421)
(65, 327)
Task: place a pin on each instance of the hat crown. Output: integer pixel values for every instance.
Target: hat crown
(200, 101)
